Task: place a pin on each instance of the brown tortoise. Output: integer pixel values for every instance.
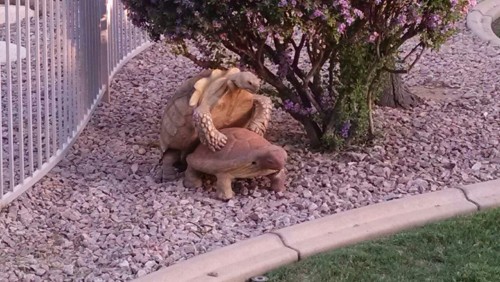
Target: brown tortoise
(205, 103)
(245, 155)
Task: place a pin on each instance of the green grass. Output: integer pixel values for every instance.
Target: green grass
(460, 249)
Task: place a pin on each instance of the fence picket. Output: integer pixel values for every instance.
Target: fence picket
(74, 47)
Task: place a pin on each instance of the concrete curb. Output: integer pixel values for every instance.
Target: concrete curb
(486, 194)
(373, 221)
(255, 256)
(235, 262)
(481, 17)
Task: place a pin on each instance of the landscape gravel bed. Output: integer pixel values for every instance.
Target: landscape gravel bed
(100, 215)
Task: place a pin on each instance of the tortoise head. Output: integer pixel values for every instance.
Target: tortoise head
(244, 80)
(273, 158)
(260, 162)
(203, 83)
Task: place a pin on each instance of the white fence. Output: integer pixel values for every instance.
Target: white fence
(58, 60)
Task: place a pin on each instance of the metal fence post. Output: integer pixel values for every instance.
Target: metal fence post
(105, 49)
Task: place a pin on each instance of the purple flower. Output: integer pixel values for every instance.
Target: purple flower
(373, 37)
(358, 13)
(401, 20)
(349, 20)
(326, 102)
(317, 13)
(434, 21)
(344, 131)
(288, 105)
(341, 28)
(297, 108)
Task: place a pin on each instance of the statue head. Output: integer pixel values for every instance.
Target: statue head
(244, 80)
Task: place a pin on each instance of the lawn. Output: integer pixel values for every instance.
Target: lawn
(461, 249)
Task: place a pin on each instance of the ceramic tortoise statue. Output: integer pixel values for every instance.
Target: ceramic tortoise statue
(209, 101)
(245, 155)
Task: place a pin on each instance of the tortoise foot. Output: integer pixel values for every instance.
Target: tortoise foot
(257, 128)
(207, 133)
(169, 175)
(278, 181)
(192, 179)
(192, 183)
(168, 170)
(224, 189)
(225, 195)
(216, 141)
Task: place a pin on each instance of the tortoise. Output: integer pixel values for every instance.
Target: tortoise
(246, 155)
(211, 100)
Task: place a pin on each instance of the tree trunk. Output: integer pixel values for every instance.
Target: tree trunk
(397, 95)
(313, 131)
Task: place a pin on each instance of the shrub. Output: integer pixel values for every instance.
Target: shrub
(324, 59)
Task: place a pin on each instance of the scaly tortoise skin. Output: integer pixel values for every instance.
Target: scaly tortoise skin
(245, 155)
(211, 100)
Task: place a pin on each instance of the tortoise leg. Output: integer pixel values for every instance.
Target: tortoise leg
(261, 115)
(168, 171)
(182, 164)
(192, 178)
(224, 189)
(208, 134)
(278, 181)
(202, 119)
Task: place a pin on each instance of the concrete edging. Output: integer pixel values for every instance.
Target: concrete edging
(258, 255)
(480, 19)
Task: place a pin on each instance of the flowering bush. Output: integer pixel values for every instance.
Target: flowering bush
(323, 58)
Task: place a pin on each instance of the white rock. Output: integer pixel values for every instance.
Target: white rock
(68, 269)
(13, 13)
(307, 194)
(13, 52)
(476, 166)
(124, 264)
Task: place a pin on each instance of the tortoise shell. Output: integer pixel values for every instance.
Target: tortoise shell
(241, 148)
(177, 131)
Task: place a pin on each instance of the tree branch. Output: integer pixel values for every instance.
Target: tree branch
(330, 78)
(402, 71)
(413, 51)
(314, 68)
(206, 64)
(303, 89)
(298, 49)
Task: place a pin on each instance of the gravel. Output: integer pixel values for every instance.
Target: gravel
(100, 216)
